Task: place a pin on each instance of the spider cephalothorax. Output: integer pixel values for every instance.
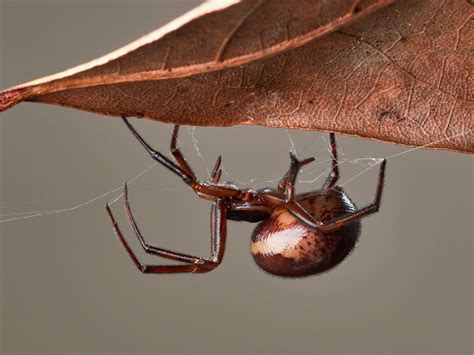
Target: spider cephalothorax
(298, 235)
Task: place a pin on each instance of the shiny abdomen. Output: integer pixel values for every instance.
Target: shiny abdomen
(284, 246)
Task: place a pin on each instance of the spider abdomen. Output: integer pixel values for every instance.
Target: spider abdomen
(284, 246)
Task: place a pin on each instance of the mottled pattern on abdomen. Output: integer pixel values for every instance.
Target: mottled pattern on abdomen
(283, 246)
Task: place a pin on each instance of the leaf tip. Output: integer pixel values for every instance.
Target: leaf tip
(11, 97)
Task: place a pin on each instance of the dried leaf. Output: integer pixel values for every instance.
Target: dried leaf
(403, 74)
(218, 34)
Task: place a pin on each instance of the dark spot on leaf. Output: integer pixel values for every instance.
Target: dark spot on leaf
(389, 114)
(357, 9)
(310, 102)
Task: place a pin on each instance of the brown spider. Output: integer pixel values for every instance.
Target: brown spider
(299, 235)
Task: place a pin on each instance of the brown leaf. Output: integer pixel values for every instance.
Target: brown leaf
(403, 74)
(218, 34)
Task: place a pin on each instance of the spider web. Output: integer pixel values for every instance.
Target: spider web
(311, 175)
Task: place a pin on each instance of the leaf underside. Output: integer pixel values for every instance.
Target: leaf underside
(402, 74)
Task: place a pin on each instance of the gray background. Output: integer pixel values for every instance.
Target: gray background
(69, 288)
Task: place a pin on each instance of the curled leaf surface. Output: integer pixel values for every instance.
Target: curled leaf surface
(402, 74)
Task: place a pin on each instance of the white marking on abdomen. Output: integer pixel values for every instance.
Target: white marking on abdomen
(278, 242)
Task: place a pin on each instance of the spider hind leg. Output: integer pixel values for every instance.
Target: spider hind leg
(371, 208)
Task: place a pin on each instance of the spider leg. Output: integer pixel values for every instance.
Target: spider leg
(216, 172)
(183, 170)
(178, 155)
(288, 181)
(160, 157)
(150, 249)
(218, 231)
(334, 176)
(195, 264)
(302, 215)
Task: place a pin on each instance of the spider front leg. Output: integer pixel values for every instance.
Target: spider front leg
(208, 191)
(216, 174)
(183, 173)
(178, 155)
(194, 264)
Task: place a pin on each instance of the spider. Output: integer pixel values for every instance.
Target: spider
(298, 235)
